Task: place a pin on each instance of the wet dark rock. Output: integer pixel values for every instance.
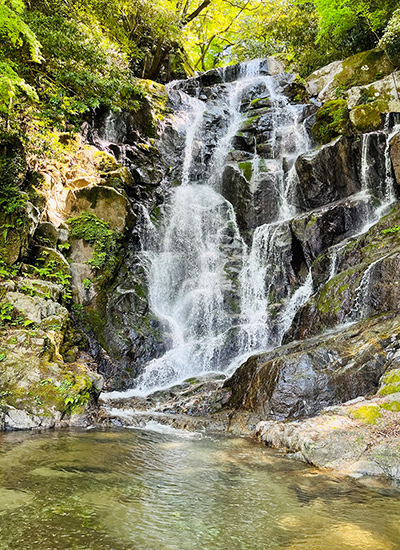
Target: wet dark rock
(300, 379)
(322, 228)
(376, 163)
(329, 173)
(395, 156)
(235, 188)
(366, 284)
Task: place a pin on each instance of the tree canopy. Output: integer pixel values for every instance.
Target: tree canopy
(76, 55)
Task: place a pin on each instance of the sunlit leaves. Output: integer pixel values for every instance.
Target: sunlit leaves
(14, 30)
(10, 85)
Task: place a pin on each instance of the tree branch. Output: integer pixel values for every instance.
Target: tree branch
(196, 12)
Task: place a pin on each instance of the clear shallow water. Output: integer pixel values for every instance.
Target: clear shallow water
(138, 490)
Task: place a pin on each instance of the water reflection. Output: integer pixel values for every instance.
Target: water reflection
(138, 490)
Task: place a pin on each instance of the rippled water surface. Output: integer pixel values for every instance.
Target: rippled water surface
(143, 490)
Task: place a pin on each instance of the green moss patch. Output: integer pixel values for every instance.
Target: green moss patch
(390, 382)
(369, 414)
(363, 68)
(393, 406)
(367, 118)
(332, 121)
(246, 169)
(330, 299)
(97, 232)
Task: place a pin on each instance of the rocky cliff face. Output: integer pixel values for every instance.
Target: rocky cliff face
(299, 224)
(320, 239)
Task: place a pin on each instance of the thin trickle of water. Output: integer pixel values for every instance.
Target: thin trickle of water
(288, 209)
(390, 184)
(299, 297)
(335, 251)
(362, 293)
(365, 179)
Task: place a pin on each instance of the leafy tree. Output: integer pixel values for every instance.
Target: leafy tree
(18, 40)
(391, 37)
(338, 17)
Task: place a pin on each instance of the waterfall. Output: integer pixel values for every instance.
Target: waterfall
(220, 295)
(210, 290)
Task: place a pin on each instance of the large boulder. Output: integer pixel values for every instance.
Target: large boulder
(358, 70)
(105, 202)
(16, 230)
(328, 173)
(301, 378)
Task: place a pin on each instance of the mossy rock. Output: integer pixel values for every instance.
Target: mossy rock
(36, 381)
(369, 414)
(48, 260)
(119, 179)
(106, 203)
(363, 68)
(332, 121)
(260, 103)
(105, 162)
(16, 229)
(393, 406)
(246, 169)
(46, 234)
(367, 118)
(390, 383)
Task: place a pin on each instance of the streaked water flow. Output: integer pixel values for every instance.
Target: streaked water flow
(199, 242)
(218, 297)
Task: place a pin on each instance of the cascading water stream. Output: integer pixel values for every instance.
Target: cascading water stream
(372, 215)
(263, 263)
(199, 242)
(220, 300)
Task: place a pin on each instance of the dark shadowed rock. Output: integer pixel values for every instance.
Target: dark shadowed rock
(322, 228)
(329, 173)
(366, 283)
(395, 156)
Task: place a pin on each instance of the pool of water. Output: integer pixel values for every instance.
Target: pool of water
(153, 490)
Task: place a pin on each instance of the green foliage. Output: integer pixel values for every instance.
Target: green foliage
(50, 269)
(83, 70)
(76, 393)
(7, 271)
(6, 313)
(97, 232)
(17, 40)
(9, 317)
(15, 31)
(391, 37)
(394, 229)
(87, 283)
(339, 17)
(11, 85)
(12, 173)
